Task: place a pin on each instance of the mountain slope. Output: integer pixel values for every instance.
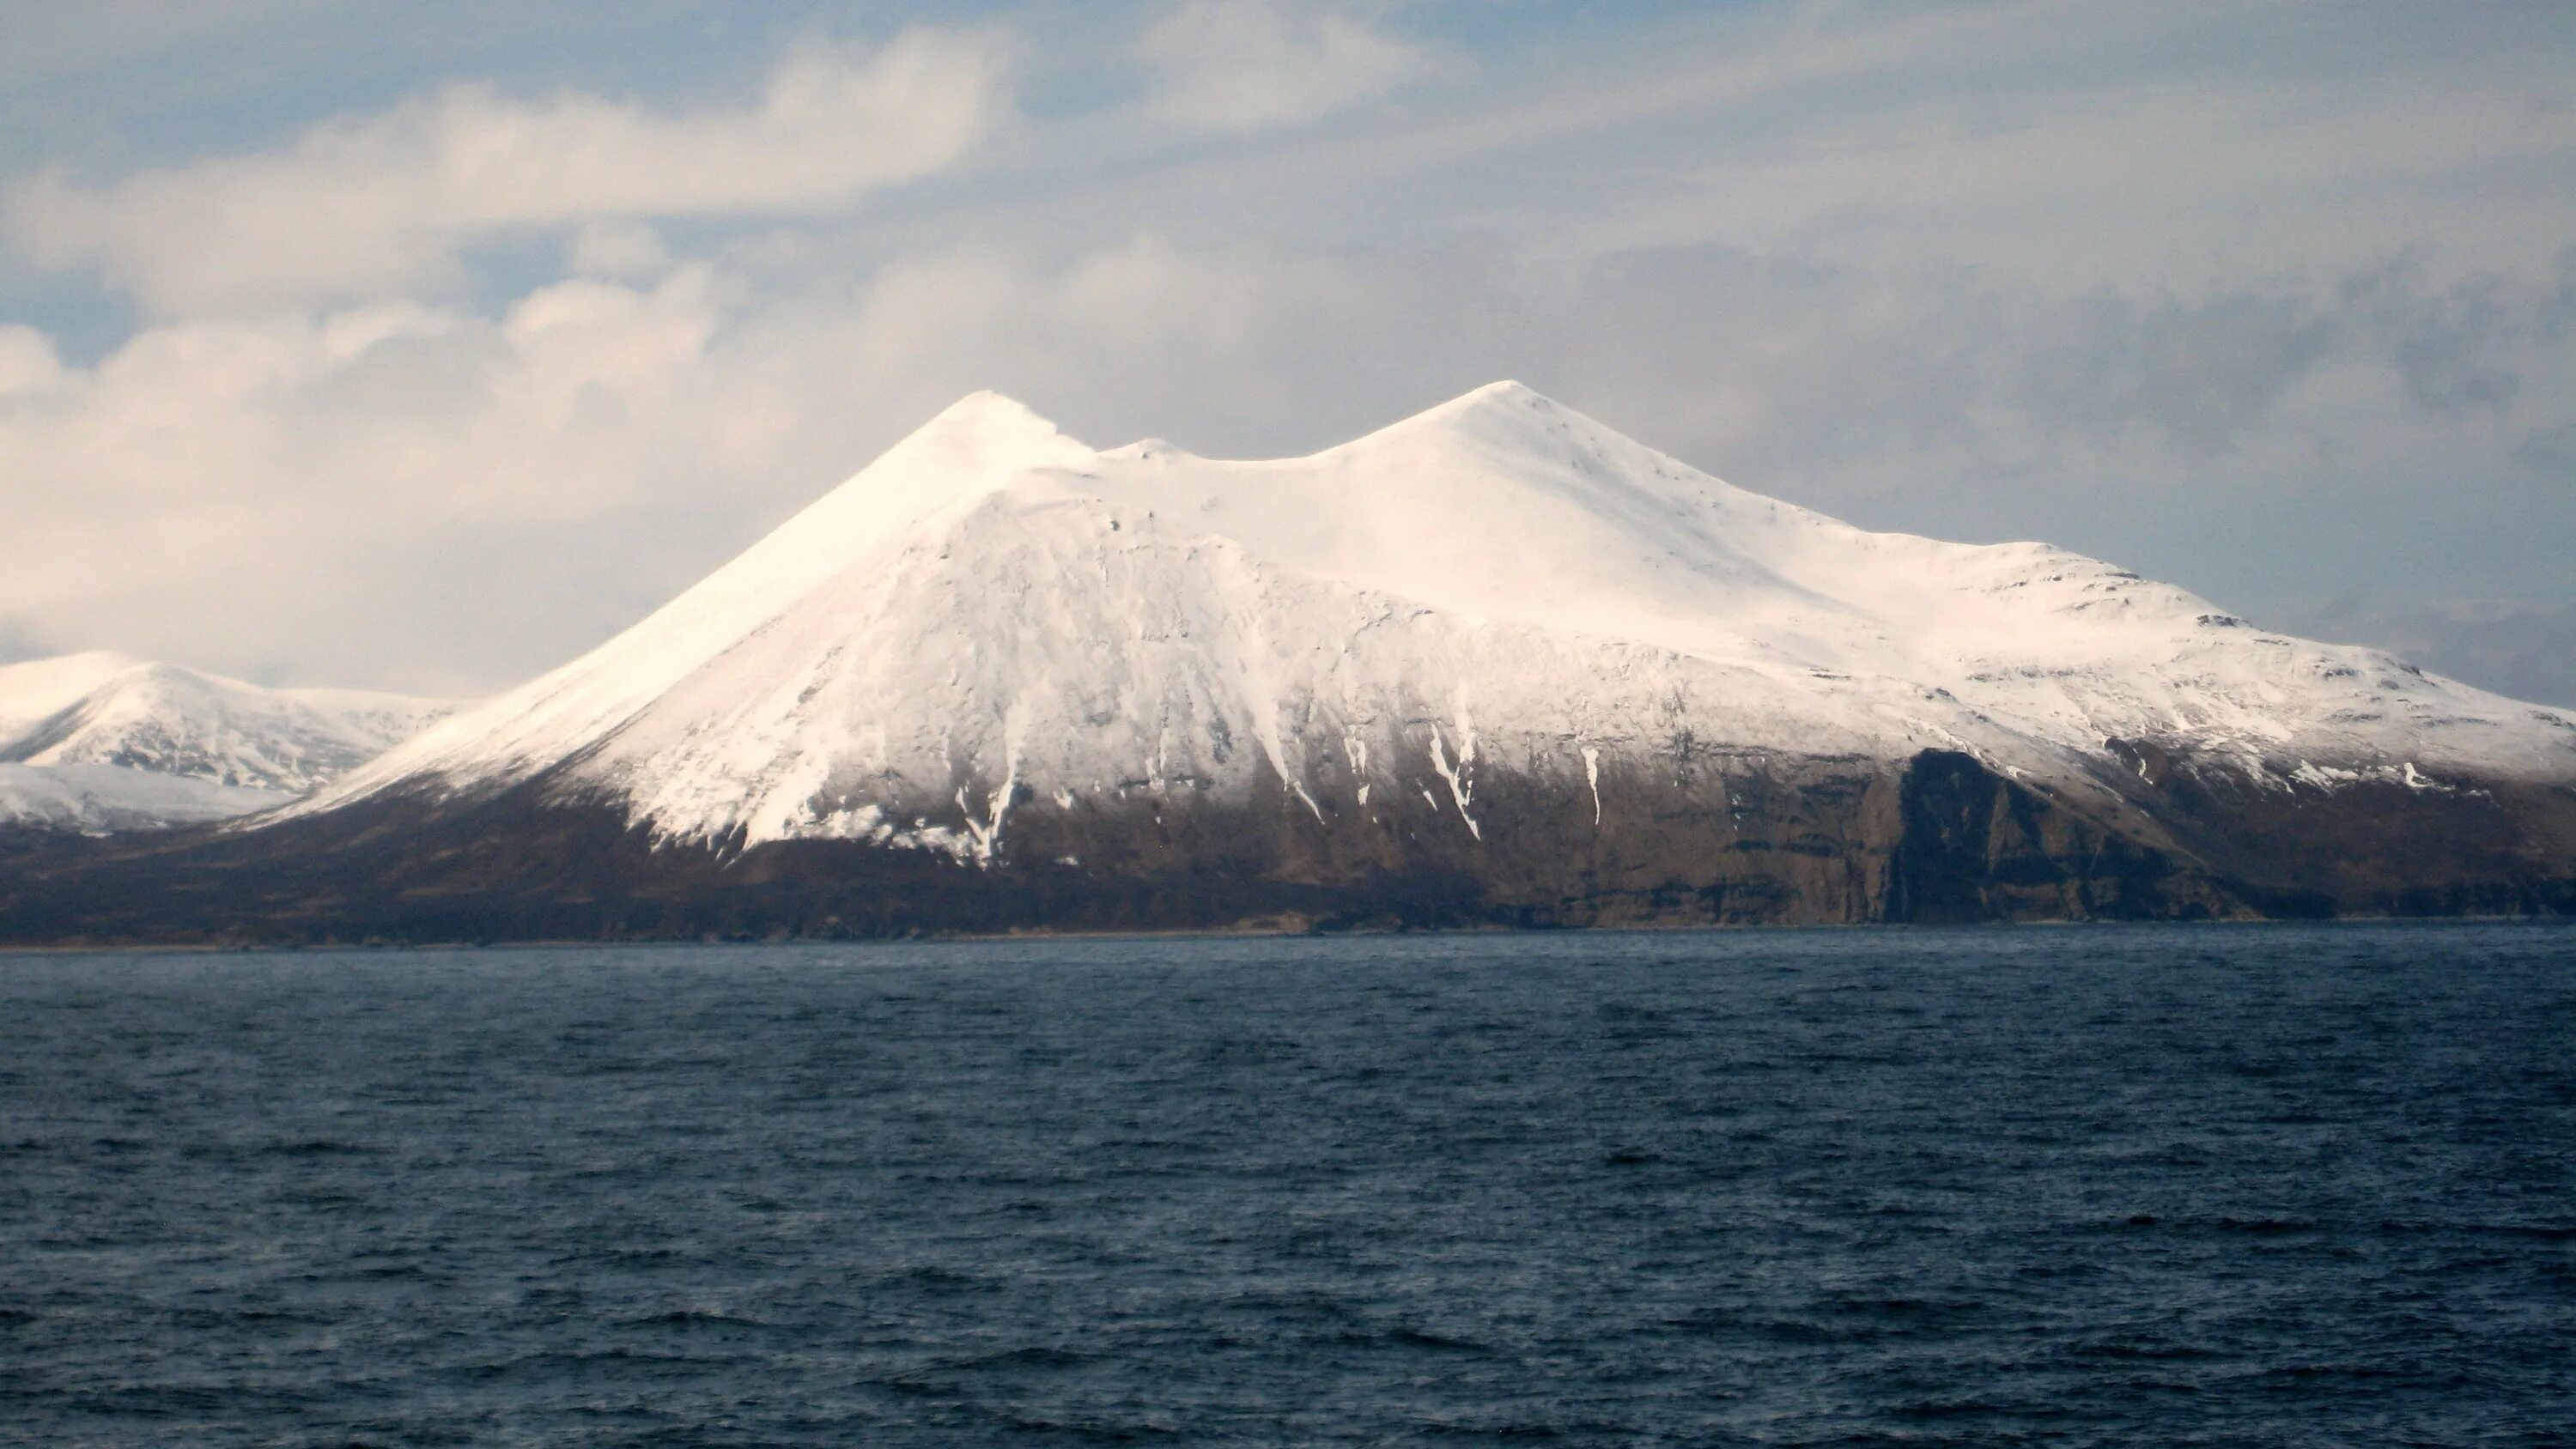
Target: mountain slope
(100, 741)
(994, 610)
(105, 798)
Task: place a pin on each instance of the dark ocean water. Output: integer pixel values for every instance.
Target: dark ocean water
(2264, 1185)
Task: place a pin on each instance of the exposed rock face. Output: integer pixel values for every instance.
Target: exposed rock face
(2377, 847)
(1739, 840)
(1972, 846)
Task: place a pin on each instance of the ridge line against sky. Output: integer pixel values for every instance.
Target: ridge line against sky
(338, 345)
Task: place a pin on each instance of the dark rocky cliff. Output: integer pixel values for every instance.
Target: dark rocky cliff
(1722, 839)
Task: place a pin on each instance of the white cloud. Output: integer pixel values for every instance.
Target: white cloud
(380, 204)
(27, 359)
(1240, 65)
(1942, 268)
(617, 249)
(421, 496)
(417, 496)
(2206, 180)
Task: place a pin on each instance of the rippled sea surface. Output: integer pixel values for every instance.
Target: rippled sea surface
(2250, 1185)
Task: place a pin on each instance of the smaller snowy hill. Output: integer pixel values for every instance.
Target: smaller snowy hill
(101, 741)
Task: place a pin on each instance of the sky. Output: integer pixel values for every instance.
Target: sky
(423, 347)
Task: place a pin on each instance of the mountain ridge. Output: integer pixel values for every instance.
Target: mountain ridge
(1497, 511)
(1492, 664)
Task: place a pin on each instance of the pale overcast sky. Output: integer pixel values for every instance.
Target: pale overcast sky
(422, 346)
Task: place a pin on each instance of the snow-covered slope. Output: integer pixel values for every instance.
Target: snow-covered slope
(994, 612)
(100, 741)
(97, 799)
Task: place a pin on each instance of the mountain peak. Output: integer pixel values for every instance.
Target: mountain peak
(1502, 390)
(1501, 417)
(89, 664)
(34, 689)
(1504, 398)
(107, 661)
(992, 415)
(972, 445)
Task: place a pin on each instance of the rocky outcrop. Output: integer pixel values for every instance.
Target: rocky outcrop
(2404, 845)
(1726, 839)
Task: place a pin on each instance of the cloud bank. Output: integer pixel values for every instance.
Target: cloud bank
(1240, 65)
(2274, 303)
(601, 443)
(383, 203)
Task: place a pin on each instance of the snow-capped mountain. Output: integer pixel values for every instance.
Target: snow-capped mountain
(1495, 664)
(995, 618)
(101, 742)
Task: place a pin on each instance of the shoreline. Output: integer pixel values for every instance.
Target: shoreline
(963, 938)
